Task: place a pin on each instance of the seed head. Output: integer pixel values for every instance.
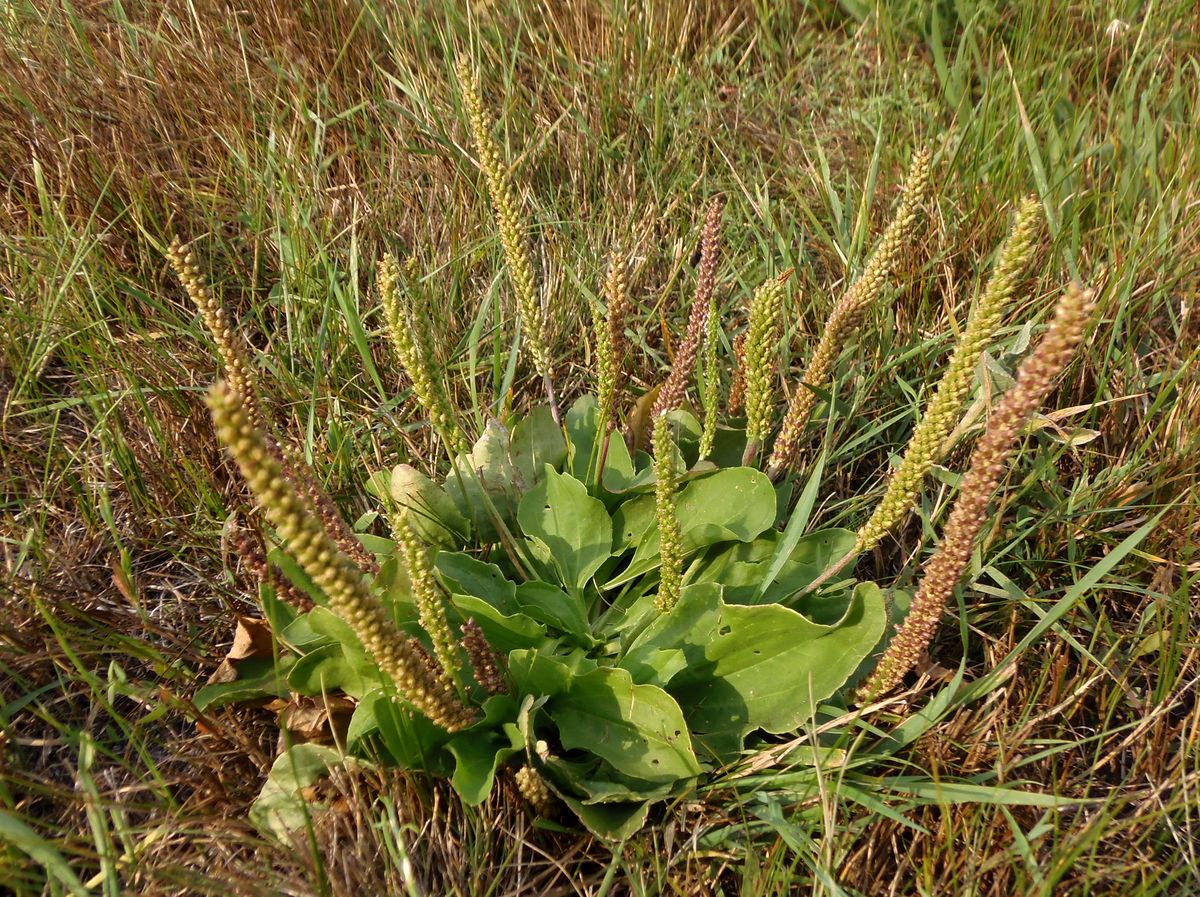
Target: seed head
(946, 406)
(431, 611)
(710, 396)
(238, 373)
(849, 312)
(413, 344)
(535, 790)
(988, 463)
(508, 220)
(319, 557)
(762, 352)
(609, 331)
(684, 363)
(487, 663)
(669, 538)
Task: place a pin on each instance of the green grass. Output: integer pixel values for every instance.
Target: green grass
(295, 144)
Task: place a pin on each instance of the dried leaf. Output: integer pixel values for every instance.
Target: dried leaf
(252, 638)
(319, 720)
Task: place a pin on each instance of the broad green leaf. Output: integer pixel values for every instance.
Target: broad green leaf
(573, 525)
(332, 668)
(583, 447)
(504, 632)
(362, 726)
(409, 738)
(477, 756)
(470, 576)
(610, 822)
(767, 667)
(743, 567)
(540, 675)
(686, 430)
(730, 505)
(280, 808)
(258, 677)
(431, 513)
(619, 472)
(662, 649)
(483, 482)
(537, 441)
(549, 604)
(587, 447)
(482, 749)
(639, 729)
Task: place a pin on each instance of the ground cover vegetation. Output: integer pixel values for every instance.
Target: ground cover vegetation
(557, 453)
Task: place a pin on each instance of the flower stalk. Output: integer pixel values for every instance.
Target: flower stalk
(670, 395)
(512, 228)
(945, 408)
(239, 376)
(710, 395)
(412, 342)
(760, 359)
(848, 314)
(431, 612)
(670, 540)
(238, 373)
(487, 664)
(737, 389)
(335, 573)
(609, 331)
(943, 570)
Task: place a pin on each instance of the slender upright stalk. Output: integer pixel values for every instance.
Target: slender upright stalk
(512, 229)
(413, 345)
(682, 366)
(761, 358)
(332, 571)
(848, 314)
(943, 570)
(945, 407)
(670, 539)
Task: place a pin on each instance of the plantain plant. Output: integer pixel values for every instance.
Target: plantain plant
(607, 624)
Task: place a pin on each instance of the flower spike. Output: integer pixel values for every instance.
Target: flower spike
(988, 463)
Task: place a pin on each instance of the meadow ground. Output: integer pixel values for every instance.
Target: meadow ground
(295, 142)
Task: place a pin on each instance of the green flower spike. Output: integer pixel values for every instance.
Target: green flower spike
(431, 611)
(413, 345)
(946, 407)
(760, 356)
(848, 314)
(710, 395)
(670, 540)
(512, 228)
(333, 572)
(609, 331)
